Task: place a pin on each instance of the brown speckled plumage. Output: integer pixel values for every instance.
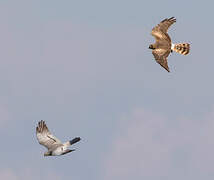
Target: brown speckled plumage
(163, 45)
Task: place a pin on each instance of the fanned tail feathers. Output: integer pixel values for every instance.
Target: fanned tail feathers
(182, 48)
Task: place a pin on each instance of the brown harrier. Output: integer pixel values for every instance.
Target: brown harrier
(163, 45)
(55, 146)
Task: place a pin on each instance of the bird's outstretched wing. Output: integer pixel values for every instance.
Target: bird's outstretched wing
(73, 141)
(160, 31)
(161, 57)
(45, 137)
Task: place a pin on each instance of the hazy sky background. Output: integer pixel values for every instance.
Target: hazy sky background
(85, 68)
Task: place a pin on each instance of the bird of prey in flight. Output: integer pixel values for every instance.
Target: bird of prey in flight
(163, 45)
(55, 146)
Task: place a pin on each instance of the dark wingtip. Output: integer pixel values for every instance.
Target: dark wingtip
(168, 70)
(75, 140)
(41, 121)
(169, 19)
(172, 18)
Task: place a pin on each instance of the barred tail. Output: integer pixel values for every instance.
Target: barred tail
(182, 48)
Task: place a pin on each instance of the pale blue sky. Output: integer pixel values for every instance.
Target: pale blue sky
(85, 68)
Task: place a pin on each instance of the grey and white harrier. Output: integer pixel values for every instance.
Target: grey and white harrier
(55, 146)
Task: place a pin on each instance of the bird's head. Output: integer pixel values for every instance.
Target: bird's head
(151, 46)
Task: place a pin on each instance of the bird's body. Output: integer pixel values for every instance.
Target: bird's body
(55, 146)
(60, 150)
(163, 45)
(57, 151)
